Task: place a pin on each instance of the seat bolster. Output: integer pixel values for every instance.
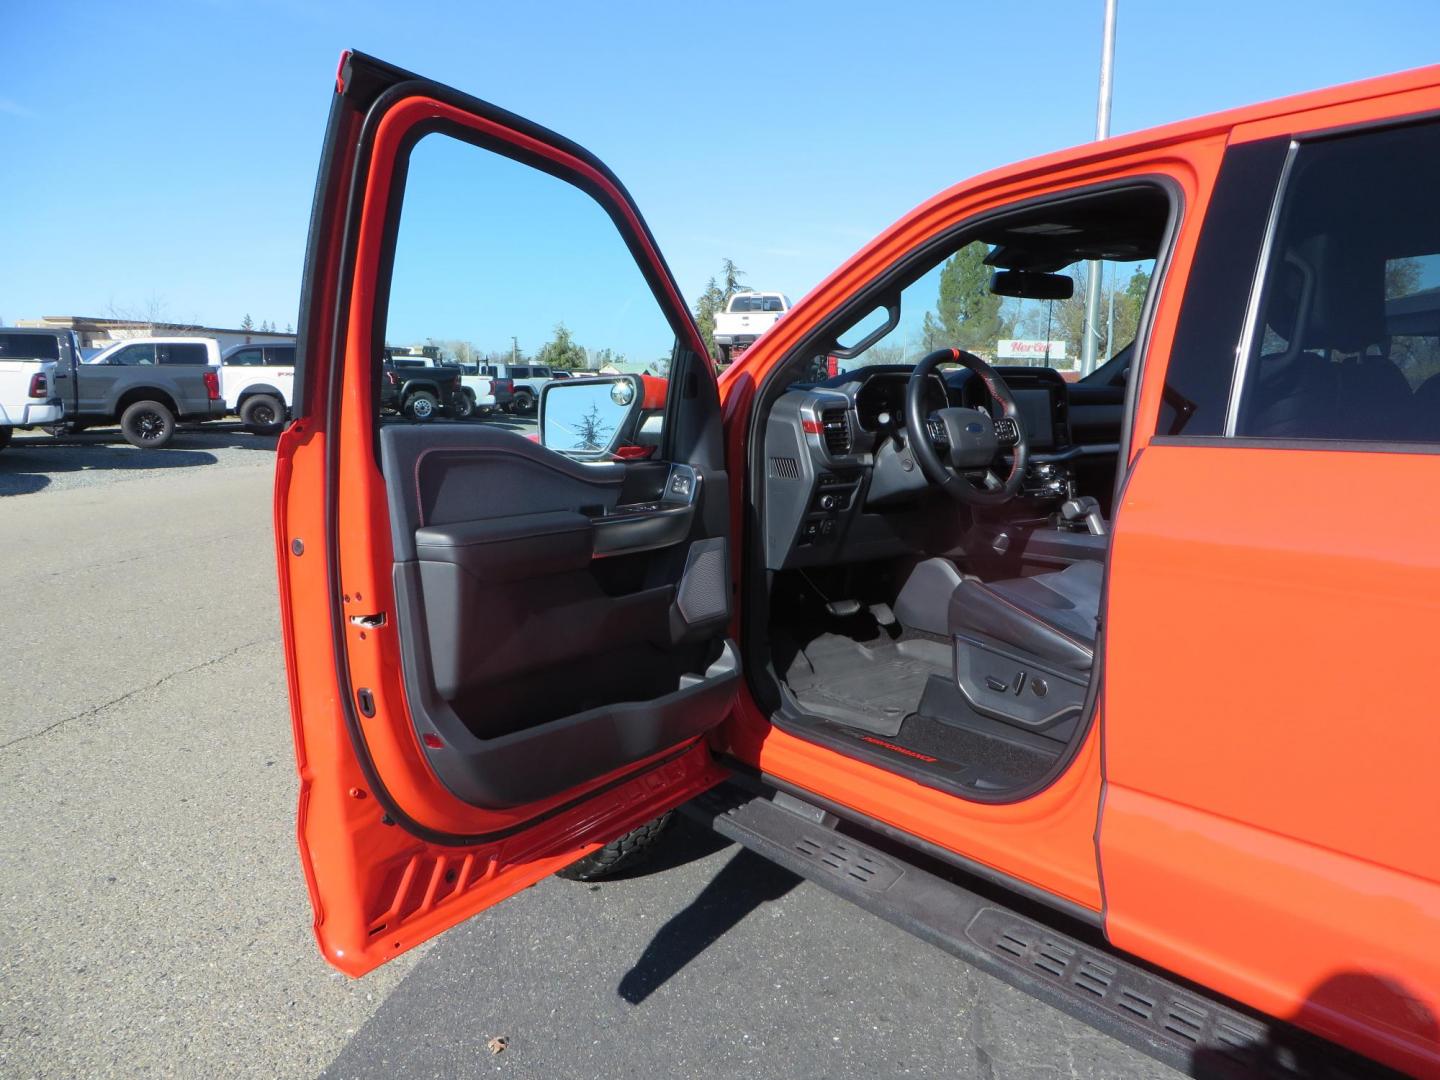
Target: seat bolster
(977, 608)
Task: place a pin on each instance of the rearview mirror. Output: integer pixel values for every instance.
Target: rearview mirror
(588, 417)
(1029, 285)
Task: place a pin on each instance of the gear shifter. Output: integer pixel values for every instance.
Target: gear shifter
(1084, 508)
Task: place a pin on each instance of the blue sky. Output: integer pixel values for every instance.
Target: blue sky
(166, 152)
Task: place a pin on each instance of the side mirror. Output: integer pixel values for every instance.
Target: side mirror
(589, 417)
(1029, 285)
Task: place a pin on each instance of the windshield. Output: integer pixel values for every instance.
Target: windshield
(952, 306)
(29, 347)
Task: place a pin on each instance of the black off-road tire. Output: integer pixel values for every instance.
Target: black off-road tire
(524, 403)
(630, 850)
(263, 414)
(422, 405)
(462, 405)
(6, 434)
(150, 425)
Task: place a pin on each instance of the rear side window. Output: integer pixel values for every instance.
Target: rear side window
(29, 347)
(280, 356)
(132, 355)
(773, 303)
(1345, 343)
(245, 358)
(183, 354)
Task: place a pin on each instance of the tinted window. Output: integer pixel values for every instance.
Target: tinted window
(773, 303)
(745, 303)
(1346, 343)
(183, 354)
(131, 355)
(280, 356)
(29, 347)
(245, 358)
(1202, 359)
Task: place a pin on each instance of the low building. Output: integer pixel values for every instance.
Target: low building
(96, 334)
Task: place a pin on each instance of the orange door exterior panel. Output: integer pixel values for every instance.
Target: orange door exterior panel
(1272, 733)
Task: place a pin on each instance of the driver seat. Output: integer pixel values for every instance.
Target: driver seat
(1024, 647)
(1052, 617)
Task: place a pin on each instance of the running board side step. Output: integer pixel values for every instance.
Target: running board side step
(1173, 1024)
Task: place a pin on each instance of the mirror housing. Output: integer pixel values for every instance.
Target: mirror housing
(588, 417)
(1031, 285)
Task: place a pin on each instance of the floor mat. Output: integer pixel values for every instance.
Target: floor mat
(993, 763)
(872, 686)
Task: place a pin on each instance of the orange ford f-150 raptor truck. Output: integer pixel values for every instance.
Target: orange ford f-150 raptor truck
(1118, 687)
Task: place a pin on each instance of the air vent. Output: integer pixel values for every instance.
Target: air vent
(785, 468)
(835, 425)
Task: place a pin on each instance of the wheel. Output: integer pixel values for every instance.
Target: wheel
(6, 433)
(524, 402)
(631, 849)
(421, 405)
(264, 414)
(148, 425)
(462, 405)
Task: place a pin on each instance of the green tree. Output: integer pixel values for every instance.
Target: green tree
(1402, 277)
(247, 323)
(710, 304)
(561, 351)
(732, 275)
(966, 315)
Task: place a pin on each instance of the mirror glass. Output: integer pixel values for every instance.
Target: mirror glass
(586, 417)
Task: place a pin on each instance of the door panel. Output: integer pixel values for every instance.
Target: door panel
(500, 658)
(1269, 825)
(493, 531)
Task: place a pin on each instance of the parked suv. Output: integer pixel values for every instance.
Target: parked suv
(145, 385)
(30, 359)
(526, 382)
(257, 382)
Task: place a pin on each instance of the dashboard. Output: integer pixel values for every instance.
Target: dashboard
(880, 400)
(841, 485)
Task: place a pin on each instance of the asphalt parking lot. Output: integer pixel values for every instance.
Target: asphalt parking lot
(158, 920)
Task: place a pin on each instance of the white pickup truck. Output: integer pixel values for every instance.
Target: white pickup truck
(29, 361)
(258, 383)
(746, 316)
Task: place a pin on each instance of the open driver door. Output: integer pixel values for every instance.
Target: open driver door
(501, 654)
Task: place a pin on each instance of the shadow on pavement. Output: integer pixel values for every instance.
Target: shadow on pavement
(21, 483)
(743, 884)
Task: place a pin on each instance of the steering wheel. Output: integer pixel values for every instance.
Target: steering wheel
(957, 446)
